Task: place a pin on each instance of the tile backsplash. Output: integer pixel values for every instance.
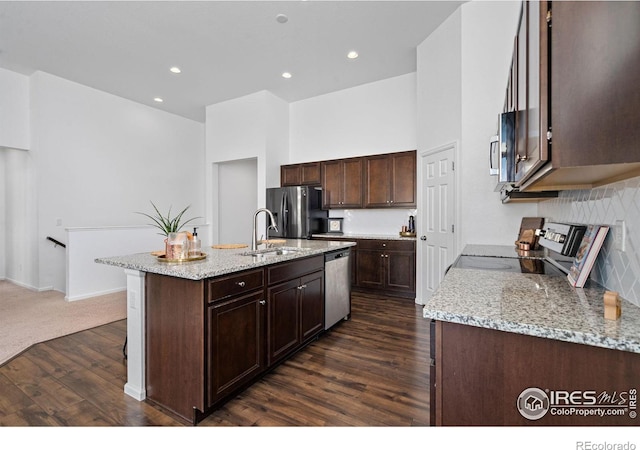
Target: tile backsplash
(374, 221)
(616, 270)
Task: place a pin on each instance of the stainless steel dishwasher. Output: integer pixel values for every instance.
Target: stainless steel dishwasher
(337, 287)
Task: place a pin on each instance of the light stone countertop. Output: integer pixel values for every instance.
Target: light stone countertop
(221, 261)
(383, 237)
(536, 305)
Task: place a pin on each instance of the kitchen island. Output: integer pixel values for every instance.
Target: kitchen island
(524, 349)
(200, 331)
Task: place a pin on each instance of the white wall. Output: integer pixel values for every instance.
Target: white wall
(256, 127)
(3, 215)
(377, 117)
(462, 76)
(439, 95)
(14, 110)
(488, 29)
(14, 134)
(95, 159)
(20, 236)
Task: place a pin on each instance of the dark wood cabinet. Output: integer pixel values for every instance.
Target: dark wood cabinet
(304, 174)
(581, 61)
(342, 183)
(236, 339)
(386, 267)
(207, 340)
(295, 305)
(390, 180)
(378, 181)
(479, 374)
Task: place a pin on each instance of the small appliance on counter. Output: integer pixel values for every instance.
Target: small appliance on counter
(563, 238)
(409, 230)
(335, 225)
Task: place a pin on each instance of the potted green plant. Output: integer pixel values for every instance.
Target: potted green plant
(167, 224)
(176, 242)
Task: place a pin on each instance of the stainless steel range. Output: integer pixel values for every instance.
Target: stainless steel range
(518, 265)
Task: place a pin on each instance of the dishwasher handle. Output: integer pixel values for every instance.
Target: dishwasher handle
(336, 255)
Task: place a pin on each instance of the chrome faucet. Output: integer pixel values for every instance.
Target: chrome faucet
(254, 237)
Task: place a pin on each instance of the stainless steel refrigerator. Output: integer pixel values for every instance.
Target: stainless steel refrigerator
(297, 210)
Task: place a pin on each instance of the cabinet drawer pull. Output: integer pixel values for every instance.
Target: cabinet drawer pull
(241, 283)
(302, 286)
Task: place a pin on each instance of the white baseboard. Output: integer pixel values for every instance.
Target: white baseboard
(23, 285)
(94, 294)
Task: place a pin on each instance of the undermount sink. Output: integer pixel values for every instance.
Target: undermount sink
(275, 251)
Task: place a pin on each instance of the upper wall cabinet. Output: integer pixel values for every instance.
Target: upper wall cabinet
(390, 180)
(580, 107)
(305, 174)
(342, 183)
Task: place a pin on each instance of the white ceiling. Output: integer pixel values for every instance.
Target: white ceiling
(226, 49)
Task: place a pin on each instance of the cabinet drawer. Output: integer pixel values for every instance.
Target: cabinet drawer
(294, 269)
(375, 244)
(238, 283)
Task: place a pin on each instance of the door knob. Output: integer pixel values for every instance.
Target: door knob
(423, 238)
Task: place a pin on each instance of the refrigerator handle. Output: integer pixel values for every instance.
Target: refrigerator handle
(284, 211)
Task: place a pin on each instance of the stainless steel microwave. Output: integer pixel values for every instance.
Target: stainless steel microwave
(502, 151)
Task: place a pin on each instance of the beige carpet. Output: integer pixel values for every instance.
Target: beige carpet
(28, 317)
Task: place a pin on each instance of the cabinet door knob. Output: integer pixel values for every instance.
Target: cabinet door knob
(263, 302)
(241, 283)
(423, 238)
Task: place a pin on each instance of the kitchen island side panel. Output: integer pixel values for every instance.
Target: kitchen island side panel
(175, 344)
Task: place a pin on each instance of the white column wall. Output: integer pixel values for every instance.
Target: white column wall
(95, 160)
(255, 126)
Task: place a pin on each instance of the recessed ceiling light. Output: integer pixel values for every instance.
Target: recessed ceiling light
(175, 69)
(286, 75)
(281, 18)
(352, 54)
(158, 100)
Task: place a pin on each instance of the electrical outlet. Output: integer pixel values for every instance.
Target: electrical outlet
(58, 222)
(619, 235)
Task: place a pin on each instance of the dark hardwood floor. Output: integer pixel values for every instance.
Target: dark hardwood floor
(372, 370)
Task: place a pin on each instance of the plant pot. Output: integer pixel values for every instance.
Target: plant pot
(177, 246)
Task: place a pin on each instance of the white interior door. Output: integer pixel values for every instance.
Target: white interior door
(436, 244)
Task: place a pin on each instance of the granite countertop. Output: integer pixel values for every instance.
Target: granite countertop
(384, 237)
(536, 305)
(221, 261)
